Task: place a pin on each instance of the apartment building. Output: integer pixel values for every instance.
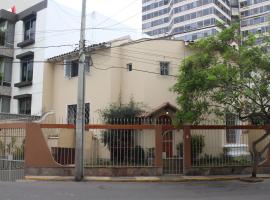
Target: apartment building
(33, 32)
(185, 19)
(255, 17)
(7, 24)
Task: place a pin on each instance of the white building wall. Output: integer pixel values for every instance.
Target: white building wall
(38, 68)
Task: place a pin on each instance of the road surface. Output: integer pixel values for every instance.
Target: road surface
(230, 190)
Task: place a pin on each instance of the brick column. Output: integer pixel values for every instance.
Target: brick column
(158, 149)
(187, 147)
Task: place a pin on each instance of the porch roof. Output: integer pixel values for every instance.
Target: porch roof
(165, 106)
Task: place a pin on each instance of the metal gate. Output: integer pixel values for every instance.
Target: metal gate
(172, 148)
(12, 154)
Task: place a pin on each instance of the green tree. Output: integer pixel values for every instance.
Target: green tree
(224, 77)
(121, 141)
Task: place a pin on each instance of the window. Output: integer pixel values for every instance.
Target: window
(232, 135)
(29, 28)
(164, 68)
(71, 67)
(74, 68)
(27, 69)
(3, 28)
(25, 106)
(6, 71)
(4, 104)
(72, 113)
(129, 67)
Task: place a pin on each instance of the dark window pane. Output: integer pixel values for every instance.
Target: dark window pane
(25, 106)
(29, 28)
(27, 69)
(74, 68)
(5, 105)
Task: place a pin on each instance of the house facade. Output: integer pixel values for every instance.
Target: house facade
(142, 70)
(121, 70)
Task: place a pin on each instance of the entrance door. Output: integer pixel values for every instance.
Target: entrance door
(167, 142)
(172, 160)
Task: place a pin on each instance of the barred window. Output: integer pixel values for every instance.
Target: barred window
(72, 113)
(164, 68)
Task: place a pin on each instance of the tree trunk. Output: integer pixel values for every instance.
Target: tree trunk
(257, 154)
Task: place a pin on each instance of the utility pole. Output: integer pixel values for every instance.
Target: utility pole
(80, 120)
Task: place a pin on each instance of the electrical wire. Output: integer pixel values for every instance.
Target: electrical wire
(133, 69)
(132, 58)
(44, 47)
(117, 13)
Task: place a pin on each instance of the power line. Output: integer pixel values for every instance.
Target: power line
(121, 21)
(117, 13)
(44, 47)
(133, 69)
(102, 69)
(139, 59)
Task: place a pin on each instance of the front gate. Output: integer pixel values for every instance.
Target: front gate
(172, 152)
(12, 154)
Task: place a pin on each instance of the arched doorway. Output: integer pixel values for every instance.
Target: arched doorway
(167, 143)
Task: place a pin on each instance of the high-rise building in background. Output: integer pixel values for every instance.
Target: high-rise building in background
(186, 19)
(255, 17)
(194, 19)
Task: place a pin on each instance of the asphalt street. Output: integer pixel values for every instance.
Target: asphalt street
(228, 190)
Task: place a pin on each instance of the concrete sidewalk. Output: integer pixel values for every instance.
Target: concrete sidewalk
(146, 179)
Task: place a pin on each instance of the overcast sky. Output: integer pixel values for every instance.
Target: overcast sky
(126, 11)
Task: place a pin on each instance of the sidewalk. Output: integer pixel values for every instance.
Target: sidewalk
(146, 179)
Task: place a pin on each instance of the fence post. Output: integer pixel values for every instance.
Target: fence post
(158, 142)
(187, 147)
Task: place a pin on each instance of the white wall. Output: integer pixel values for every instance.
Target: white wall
(37, 86)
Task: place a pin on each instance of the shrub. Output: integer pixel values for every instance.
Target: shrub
(197, 145)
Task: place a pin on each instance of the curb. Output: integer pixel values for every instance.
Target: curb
(137, 179)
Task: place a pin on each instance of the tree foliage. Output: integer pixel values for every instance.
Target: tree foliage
(223, 77)
(121, 142)
(227, 74)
